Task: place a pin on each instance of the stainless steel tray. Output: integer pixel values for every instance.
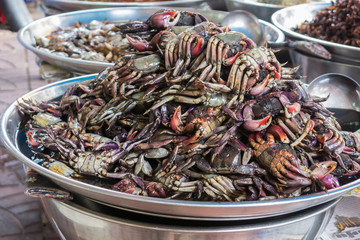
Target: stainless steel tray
(70, 218)
(288, 18)
(218, 211)
(45, 26)
(73, 5)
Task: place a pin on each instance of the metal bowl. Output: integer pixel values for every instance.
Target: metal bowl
(217, 4)
(84, 219)
(312, 67)
(288, 18)
(15, 142)
(261, 10)
(73, 5)
(45, 26)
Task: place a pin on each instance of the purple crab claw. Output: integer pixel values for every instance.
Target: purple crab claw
(139, 44)
(164, 19)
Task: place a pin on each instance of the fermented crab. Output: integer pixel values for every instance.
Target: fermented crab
(253, 71)
(162, 19)
(189, 96)
(222, 49)
(280, 159)
(182, 49)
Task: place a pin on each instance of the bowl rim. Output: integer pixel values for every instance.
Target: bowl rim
(289, 32)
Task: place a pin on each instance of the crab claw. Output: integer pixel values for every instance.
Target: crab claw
(257, 125)
(279, 133)
(322, 172)
(31, 140)
(229, 61)
(175, 122)
(139, 44)
(291, 109)
(259, 88)
(198, 48)
(329, 181)
(164, 19)
(156, 189)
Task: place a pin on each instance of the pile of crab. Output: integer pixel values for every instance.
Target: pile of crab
(205, 114)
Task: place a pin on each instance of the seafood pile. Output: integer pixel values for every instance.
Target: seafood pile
(338, 23)
(105, 41)
(205, 114)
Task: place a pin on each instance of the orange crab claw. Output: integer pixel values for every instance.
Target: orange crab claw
(277, 75)
(294, 108)
(279, 133)
(198, 48)
(229, 61)
(31, 140)
(176, 123)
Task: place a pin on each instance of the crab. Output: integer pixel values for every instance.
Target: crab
(280, 159)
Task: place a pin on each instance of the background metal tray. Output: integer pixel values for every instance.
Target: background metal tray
(215, 211)
(45, 26)
(73, 5)
(288, 18)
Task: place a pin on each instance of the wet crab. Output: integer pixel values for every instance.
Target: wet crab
(222, 49)
(282, 162)
(182, 49)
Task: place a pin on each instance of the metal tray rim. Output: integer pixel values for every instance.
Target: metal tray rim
(257, 4)
(54, 3)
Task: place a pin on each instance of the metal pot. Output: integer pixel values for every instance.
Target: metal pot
(87, 220)
(312, 67)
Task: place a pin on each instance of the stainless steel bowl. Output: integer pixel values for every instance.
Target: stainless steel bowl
(15, 142)
(261, 10)
(73, 5)
(217, 4)
(312, 67)
(288, 18)
(86, 220)
(45, 26)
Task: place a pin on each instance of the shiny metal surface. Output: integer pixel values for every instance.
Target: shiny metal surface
(217, 4)
(288, 18)
(83, 219)
(219, 211)
(248, 23)
(313, 67)
(263, 11)
(245, 22)
(344, 91)
(73, 5)
(44, 26)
